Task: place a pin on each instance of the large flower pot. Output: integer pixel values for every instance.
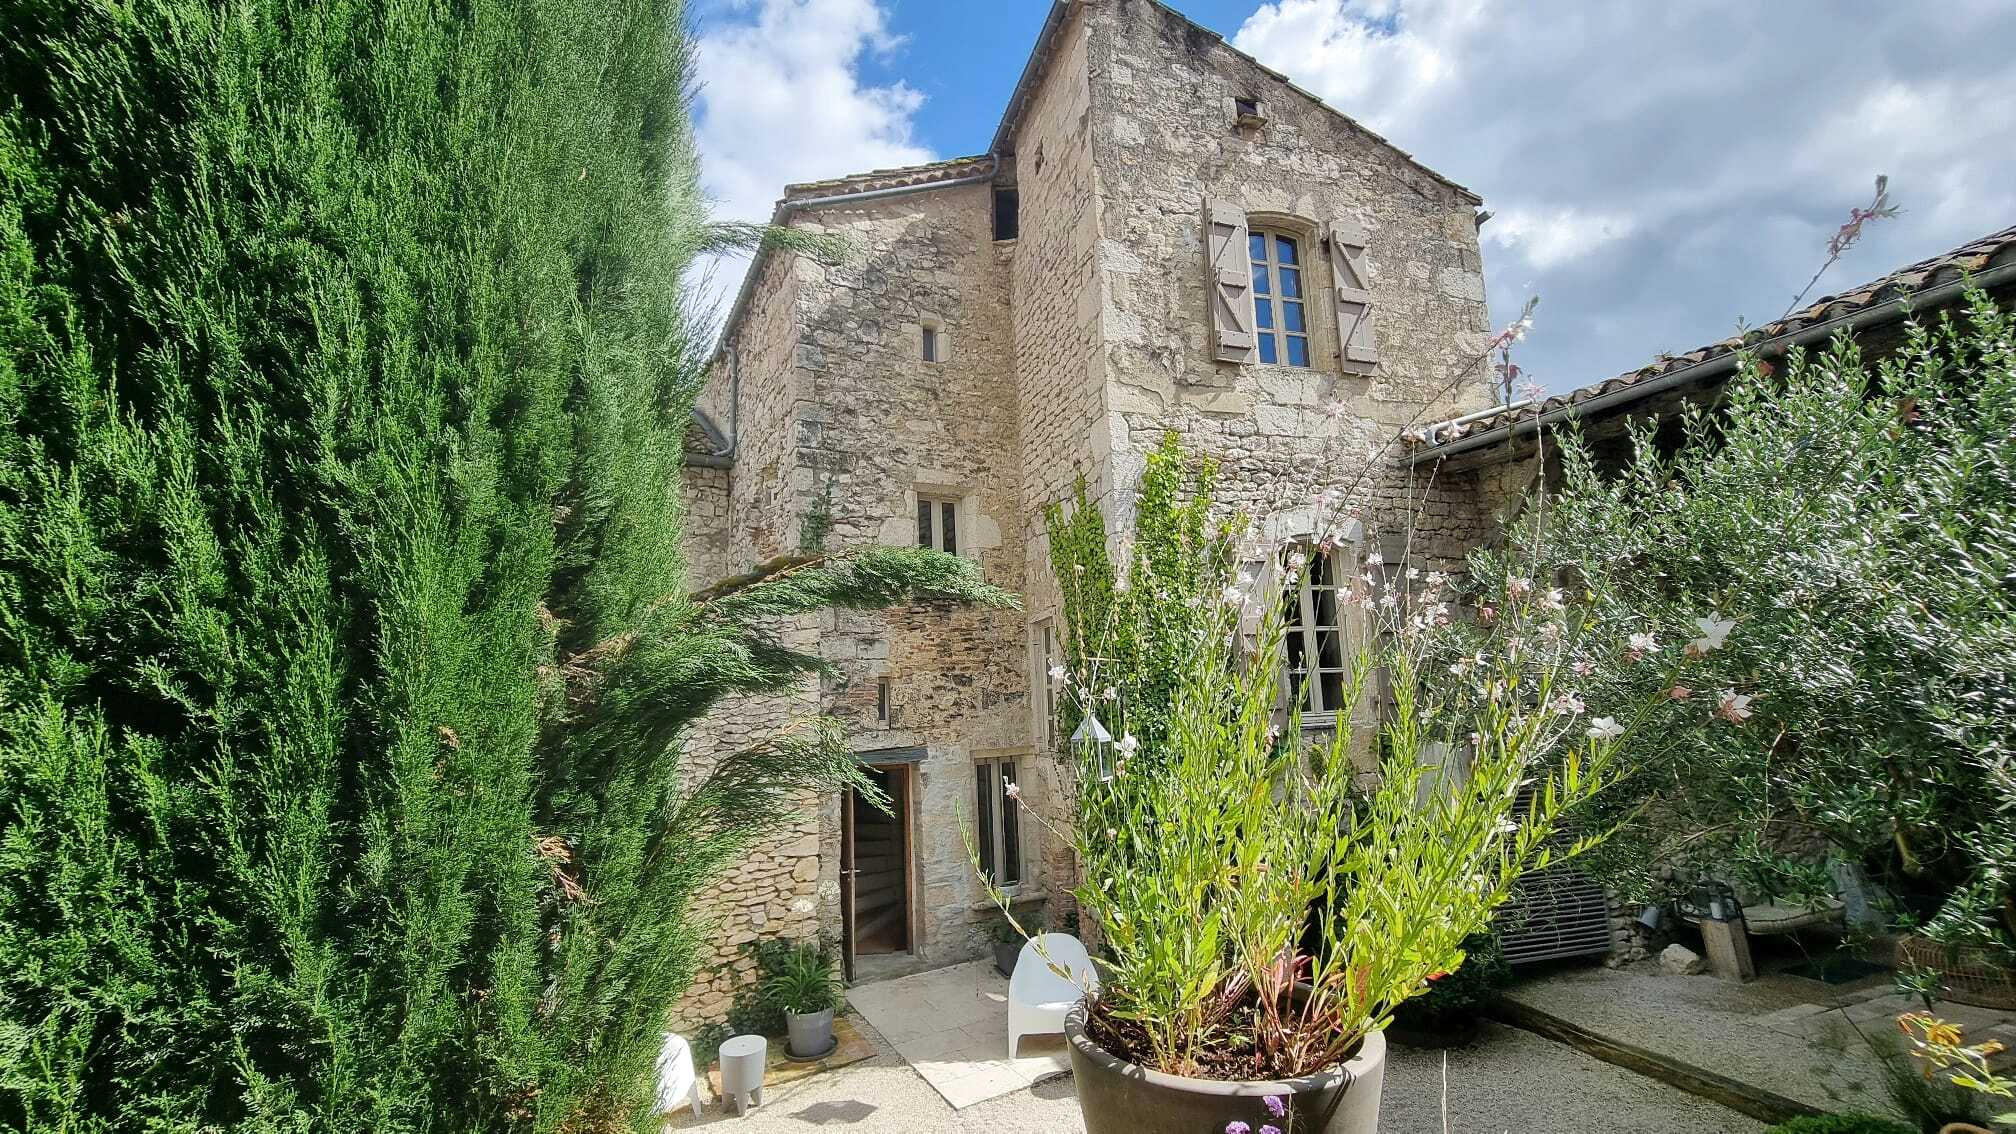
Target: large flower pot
(1006, 953)
(811, 1034)
(1118, 1097)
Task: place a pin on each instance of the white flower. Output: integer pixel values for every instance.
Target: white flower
(1583, 668)
(1733, 707)
(1516, 586)
(1111, 694)
(1128, 744)
(1234, 595)
(1553, 599)
(1641, 644)
(1374, 559)
(1569, 703)
(1606, 728)
(1013, 791)
(1508, 827)
(1714, 631)
(1059, 673)
(1413, 572)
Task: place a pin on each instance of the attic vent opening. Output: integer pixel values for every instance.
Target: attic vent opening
(1007, 215)
(1249, 112)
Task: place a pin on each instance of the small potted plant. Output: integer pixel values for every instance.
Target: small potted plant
(1007, 947)
(1448, 1014)
(806, 989)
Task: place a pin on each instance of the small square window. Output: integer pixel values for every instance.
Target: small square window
(938, 523)
(1250, 112)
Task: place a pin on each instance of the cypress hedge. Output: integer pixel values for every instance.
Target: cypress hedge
(344, 645)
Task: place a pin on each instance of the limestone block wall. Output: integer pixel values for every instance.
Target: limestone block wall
(1163, 106)
(709, 528)
(880, 425)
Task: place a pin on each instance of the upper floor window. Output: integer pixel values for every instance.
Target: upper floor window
(1313, 619)
(1281, 326)
(938, 523)
(931, 347)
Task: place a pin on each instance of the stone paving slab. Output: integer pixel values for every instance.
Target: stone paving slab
(951, 1025)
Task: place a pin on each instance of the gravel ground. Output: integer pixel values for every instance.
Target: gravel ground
(1507, 1081)
(1712, 1024)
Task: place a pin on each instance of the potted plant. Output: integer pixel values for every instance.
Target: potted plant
(1449, 1013)
(1262, 904)
(1007, 947)
(806, 989)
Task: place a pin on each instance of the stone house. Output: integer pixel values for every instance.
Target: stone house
(1163, 236)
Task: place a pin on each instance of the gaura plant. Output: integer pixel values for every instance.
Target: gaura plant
(1266, 895)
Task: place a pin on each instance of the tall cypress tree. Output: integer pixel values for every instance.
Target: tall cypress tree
(343, 651)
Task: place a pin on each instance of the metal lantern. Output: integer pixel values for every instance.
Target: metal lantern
(1095, 747)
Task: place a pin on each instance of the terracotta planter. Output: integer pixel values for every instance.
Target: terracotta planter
(1118, 1097)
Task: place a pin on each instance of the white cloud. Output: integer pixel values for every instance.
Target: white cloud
(1658, 171)
(1545, 239)
(781, 100)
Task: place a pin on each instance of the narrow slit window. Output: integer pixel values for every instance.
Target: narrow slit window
(1045, 657)
(1281, 323)
(930, 344)
(882, 701)
(1007, 214)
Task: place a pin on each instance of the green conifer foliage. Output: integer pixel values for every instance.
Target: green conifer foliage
(343, 643)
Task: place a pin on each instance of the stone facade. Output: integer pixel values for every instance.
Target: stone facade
(1066, 351)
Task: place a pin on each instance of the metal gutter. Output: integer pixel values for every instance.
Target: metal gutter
(1722, 363)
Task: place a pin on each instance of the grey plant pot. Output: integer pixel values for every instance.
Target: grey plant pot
(1006, 953)
(1118, 1097)
(811, 1034)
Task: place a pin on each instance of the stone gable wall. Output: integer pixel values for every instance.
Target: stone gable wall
(1162, 93)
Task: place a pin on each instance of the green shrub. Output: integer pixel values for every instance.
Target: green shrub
(1457, 1000)
(1841, 1124)
(345, 642)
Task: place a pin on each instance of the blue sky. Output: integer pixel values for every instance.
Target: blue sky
(1658, 171)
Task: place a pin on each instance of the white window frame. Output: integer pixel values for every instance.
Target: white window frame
(1045, 652)
(1271, 329)
(937, 539)
(999, 833)
(1306, 631)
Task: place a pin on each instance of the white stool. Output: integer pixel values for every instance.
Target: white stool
(677, 1085)
(742, 1063)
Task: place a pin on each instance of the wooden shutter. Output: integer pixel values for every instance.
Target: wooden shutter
(1231, 282)
(1357, 330)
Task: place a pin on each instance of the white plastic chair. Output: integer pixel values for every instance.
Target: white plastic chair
(1039, 998)
(677, 1084)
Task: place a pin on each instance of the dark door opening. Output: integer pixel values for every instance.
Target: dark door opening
(875, 866)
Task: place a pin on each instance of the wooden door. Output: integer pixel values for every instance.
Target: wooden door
(875, 865)
(847, 873)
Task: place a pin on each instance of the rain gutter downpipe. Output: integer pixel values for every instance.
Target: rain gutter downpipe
(1714, 367)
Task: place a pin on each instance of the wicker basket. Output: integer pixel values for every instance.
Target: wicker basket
(1971, 976)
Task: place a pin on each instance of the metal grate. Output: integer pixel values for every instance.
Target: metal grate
(1557, 912)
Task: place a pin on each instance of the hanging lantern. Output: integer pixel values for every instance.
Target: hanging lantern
(1095, 747)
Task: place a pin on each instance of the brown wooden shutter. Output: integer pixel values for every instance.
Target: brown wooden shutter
(1231, 281)
(1357, 330)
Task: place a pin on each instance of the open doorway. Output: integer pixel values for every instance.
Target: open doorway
(875, 876)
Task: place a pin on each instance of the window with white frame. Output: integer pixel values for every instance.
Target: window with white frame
(938, 523)
(1280, 321)
(1044, 656)
(998, 820)
(1317, 654)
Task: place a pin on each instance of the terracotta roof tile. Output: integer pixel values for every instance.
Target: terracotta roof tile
(1993, 250)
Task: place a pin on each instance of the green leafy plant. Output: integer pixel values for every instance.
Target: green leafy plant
(1260, 910)
(804, 981)
(1456, 1001)
(1857, 522)
(346, 646)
